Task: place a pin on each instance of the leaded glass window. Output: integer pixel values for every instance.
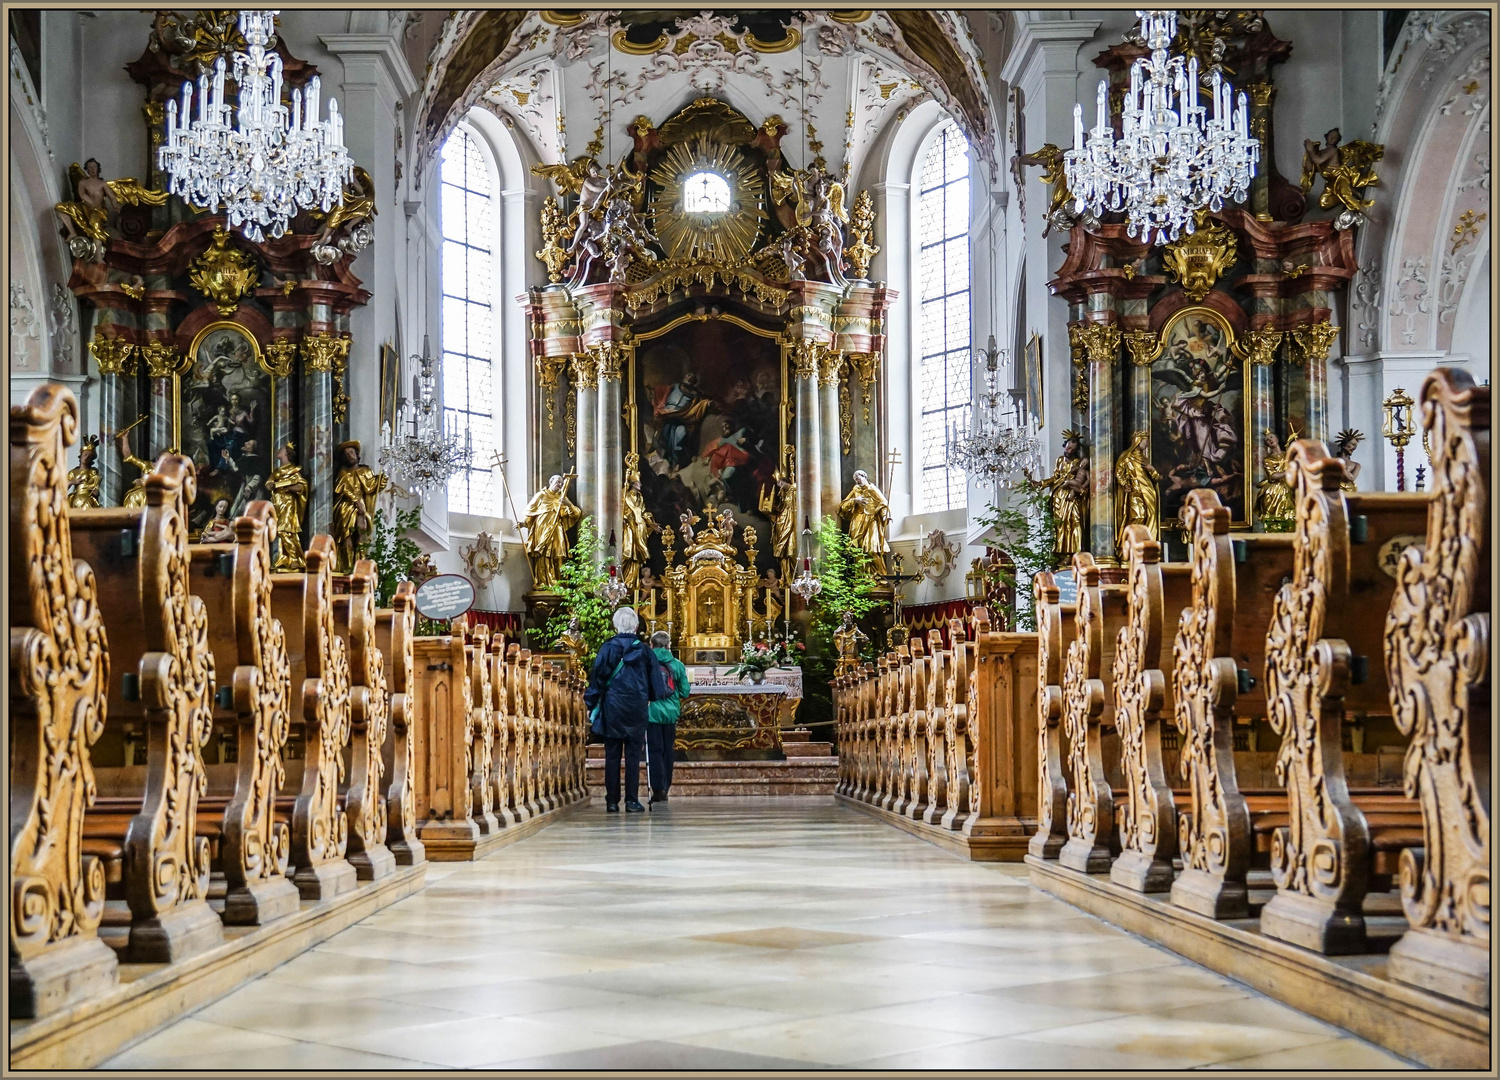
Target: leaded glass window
(943, 345)
(468, 270)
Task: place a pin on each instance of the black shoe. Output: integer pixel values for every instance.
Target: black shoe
(611, 808)
(659, 796)
(634, 807)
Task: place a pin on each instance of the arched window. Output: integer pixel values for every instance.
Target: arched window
(468, 218)
(943, 355)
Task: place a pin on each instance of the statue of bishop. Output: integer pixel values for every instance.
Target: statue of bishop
(869, 517)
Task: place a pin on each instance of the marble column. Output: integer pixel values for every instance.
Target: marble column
(583, 372)
(1101, 344)
(160, 360)
(1312, 343)
(318, 351)
(117, 367)
(613, 360)
(809, 451)
(829, 434)
(280, 357)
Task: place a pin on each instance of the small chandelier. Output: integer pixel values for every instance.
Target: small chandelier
(1172, 157)
(273, 161)
(426, 456)
(998, 445)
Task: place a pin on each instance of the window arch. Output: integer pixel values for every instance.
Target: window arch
(942, 370)
(468, 316)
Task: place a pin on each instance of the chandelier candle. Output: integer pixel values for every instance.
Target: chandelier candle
(1172, 159)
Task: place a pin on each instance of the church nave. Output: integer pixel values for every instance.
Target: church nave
(740, 934)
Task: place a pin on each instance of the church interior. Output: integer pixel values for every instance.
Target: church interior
(1054, 444)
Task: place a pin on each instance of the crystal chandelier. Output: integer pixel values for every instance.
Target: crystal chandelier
(998, 445)
(426, 456)
(271, 162)
(1172, 157)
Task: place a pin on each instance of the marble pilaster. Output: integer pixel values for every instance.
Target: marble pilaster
(583, 373)
(830, 437)
(613, 359)
(804, 360)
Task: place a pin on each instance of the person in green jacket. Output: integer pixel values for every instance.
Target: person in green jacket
(661, 730)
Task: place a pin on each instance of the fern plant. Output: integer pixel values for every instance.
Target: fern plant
(579, 580)
(848, 585)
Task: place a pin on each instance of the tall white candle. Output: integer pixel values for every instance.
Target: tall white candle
(1077, 127)
(1100, 105)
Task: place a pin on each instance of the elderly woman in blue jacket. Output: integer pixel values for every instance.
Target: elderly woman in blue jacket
(625, 680)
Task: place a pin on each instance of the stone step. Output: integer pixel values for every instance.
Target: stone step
(799, 776)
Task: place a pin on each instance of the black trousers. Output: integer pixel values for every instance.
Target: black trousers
(661, 748)
(631, 750)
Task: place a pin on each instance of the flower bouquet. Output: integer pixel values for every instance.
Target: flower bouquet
(756, 657)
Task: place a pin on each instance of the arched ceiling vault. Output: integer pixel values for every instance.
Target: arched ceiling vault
(836, 78)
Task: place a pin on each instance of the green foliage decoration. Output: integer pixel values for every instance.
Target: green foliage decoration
(392, 550)
(1026, 532)
(848, 585)
(579, 580)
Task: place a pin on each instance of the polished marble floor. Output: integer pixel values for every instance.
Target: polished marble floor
(740, 934)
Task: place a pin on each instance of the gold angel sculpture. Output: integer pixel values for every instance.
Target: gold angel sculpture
(1346, 170)
(358, 206)
(1049, 158)
(1275, 501)
(86, 215)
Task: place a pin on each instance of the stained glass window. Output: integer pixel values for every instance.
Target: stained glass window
(468, 219)
(943, 353)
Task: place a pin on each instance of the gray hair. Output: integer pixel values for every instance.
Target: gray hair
(661, 640)
(626, 620)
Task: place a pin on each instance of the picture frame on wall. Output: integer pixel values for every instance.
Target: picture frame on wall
(1034, 402)
(390, 384)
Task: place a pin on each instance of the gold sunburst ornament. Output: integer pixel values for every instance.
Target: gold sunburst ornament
(715, 236)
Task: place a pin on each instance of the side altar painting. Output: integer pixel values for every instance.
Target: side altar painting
(225, 418)
(1198, 414)
(708, 412)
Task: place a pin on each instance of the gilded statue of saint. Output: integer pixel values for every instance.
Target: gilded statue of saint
(289, 492)
(572, 641)
(636, 525)
(1275, 502)
(354, 494)
(135, 495)
(1344, 445)
(548, 518)
(778, 501)
(1136, 493)
(83, 479)
(846, 641)
(1068, 489)
(869, 520)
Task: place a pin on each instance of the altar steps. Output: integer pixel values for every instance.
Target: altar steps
(811, 775)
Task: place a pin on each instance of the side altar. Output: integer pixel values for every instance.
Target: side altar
(725, 717)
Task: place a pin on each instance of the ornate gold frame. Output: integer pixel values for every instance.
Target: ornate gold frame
(1218, 319)
(191, 358)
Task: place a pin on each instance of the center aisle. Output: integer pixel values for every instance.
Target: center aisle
(739, 934)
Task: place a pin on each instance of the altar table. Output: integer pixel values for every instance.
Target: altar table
(725, 715)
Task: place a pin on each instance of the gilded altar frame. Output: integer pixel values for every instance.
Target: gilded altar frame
(1235, 362)
(191, 357)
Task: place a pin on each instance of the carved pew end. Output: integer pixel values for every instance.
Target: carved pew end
(62, 976)
(1141, 872)
(1214, 897)
(176, 934)
(1313, 923)
(1454, 967)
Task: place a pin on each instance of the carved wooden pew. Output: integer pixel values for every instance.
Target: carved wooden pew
(158, 634)
(515, 765)
(1220, 642)
(1156, 593)
(1002, 699)
(1437, 656)
(920, 790)
(443, 729)
(394, 632)
(482, 729)
(939, 661)
(1088, 709)
(369, 723)
(319, 658)
(501, 764)
(59, 674)
(957, 744)
(255, 701)
(1322, 659)
(1056, 628)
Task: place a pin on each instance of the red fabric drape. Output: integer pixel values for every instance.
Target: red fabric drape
(499, 622)
(925, 617)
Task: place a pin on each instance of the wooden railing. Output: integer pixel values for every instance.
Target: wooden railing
(498, 737)
(1318, 632)
(941, 739)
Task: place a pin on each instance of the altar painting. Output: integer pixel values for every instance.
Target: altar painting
(224, 423)
(708, 412)
(1198, 414)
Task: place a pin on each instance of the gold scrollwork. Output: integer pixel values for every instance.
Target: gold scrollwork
(279, 358)
(1198, 260)
(1313, 340)
(1143, 346)
(552, 254)
(1258, 347)
(865, 366)
(805, 356)
(610, 356)
(162, 359)
(321, 351)
(548, 368)
(222, 273)
(115, 355)
(1100, 342)
(861, 227)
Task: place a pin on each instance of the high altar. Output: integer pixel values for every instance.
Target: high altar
(725, 356)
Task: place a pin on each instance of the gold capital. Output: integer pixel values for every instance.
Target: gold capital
(162, 359)
(115, 355)
(320, 351)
